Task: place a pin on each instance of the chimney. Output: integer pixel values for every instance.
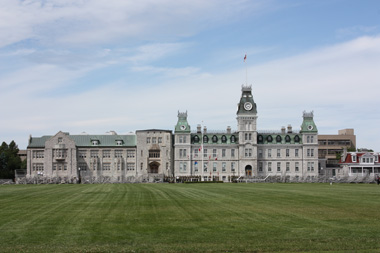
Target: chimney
(290, 129)
(228, 130)
(283, 130)
(204, 129)
(199, 128)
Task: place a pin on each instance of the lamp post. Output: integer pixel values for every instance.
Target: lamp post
(79, 176)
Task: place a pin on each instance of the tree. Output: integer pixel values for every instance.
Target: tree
(9, 160)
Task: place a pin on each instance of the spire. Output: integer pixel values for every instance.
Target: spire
(182, 124)
(308, 124)
(246, 105)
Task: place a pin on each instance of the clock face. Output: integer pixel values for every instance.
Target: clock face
(310, 127)
(183, 127)
(248, 106)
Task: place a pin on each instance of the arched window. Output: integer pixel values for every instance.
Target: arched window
(214, 139)
(260, 139)
(287, 138)
(233, 138)
(224, 139)
(196, 138)
(269, 138)
(278, 138)
(296, 138)
(205, 139)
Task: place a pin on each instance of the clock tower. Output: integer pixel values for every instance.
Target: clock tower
(182, 146)
(246, 120)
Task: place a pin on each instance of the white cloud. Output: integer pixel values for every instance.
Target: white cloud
(340, 83)
(82, 23)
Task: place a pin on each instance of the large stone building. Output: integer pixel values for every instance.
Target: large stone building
(246, 152)
(156, 155)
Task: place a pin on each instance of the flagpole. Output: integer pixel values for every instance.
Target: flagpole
(202, 149)
(246, 75)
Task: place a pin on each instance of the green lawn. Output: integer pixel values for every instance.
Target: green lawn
(190, 217)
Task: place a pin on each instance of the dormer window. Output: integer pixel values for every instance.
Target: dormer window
(119, 142)
(60, 140)
(95, 142)
(376, 158)
(354, 158)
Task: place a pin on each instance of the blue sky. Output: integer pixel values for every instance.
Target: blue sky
(95, 66)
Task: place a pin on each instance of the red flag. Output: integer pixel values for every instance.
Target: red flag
(245, 57)
(216, 158)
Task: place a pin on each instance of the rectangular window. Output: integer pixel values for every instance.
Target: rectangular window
(312, 152)
(196, 167)
(278, 166)
(130, 166)
(154, 140)
(106, 166)
(60, 153)
(205, 153)
(278, 152)
(205, 164)
(308, 166)
(118, 153)
(224, 167)
(311, 139)
(94, 153)
(38, 154)
(354, 158)
(159, 139)
(214, 166)
(141, 166)
(269, 166)
(232, 166)
(232, 152)
(308, 152)
(223, 152)
(196, 152)
(312, 166)
(260, 166)
(287, 166)
(130, 153)
(269, 152)
(148, 140)
(260, 153)
(287, 152)
(182, 153)
(81, 166)
(296, 152)
(106, 153)
(214, 152)
(297, 167)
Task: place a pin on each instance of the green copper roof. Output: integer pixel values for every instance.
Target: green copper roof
(246, 104)
(86, 140)
(182, 124)
(308, 125)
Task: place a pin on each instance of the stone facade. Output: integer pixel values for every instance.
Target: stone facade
(157, 155)
(246, 153)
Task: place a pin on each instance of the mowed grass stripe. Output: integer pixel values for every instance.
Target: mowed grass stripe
(193, 217)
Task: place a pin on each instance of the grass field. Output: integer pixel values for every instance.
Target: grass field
(190, 217)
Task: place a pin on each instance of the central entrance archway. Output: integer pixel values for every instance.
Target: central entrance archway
(153, 167)
(248, 170)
